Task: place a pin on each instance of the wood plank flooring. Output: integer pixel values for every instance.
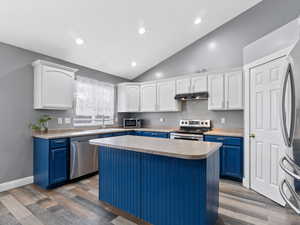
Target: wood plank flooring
(77, 204)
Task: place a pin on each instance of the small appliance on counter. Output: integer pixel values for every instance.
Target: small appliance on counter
(132, 123)
(192, 130)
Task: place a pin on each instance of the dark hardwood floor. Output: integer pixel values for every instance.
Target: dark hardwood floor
(77, 204)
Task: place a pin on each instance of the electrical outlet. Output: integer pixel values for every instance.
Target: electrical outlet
(162, 120)
(67, 120)
(223, 120)
(59, 121)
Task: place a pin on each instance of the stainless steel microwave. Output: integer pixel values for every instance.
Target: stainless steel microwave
(132, 123)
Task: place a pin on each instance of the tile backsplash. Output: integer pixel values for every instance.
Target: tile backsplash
(193, 110)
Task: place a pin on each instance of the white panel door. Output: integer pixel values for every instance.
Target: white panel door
(57, 88)
(216, 92)
(234, 90)
(267, 144)
(133, 98)
(183, 86)
(148, 97)
(166, 96)
(199, 83)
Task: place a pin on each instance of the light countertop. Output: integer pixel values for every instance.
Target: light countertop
(226, 132)
(159, 146)
(52, 134)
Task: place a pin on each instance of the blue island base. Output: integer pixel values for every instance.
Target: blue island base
(160, 190)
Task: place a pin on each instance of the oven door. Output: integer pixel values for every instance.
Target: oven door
(189, 137)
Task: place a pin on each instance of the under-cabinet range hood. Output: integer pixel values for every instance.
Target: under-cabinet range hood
(192, 96)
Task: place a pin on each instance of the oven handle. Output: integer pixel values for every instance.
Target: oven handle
(187, 138)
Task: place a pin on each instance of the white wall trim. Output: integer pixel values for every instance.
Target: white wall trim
(16, 183)
(247, 68)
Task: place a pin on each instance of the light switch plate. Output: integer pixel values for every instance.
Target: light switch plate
(223, 120)
(67, 120)
(59, 121)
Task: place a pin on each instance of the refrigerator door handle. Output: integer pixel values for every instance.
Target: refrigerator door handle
(293, 193)
(288, 136)
(293, 165)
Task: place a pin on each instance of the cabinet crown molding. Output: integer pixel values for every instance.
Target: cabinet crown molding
(47, 63)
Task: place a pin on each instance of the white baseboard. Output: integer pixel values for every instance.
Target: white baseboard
(16, 183)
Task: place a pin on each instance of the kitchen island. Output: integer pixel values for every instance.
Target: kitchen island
(160, 181)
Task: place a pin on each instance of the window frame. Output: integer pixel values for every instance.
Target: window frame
(95, 120)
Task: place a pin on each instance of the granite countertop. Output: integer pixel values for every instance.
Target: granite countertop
(52, 134)
(159, 146)
(226, 132)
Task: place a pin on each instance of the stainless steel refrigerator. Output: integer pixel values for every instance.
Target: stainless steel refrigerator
(290, 124)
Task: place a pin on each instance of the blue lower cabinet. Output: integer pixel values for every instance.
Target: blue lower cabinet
(50, 163)
(231, 156)
(58, 165)
(232, 162)
(105, 135)
(120, 179)
(155, 134)
(160, 190)
(138, 133)
(121, 133)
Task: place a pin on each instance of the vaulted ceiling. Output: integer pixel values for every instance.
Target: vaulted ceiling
(120, 37)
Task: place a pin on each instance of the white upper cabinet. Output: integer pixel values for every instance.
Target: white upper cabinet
(234, 90)
(183, 85)
(148, 97)
(129, 97)
(166, 91)
(225, 91)
(192, 84)
(199, 83)
(216, 92)
(53, 86)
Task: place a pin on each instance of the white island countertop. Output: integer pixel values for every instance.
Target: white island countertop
(159, 146)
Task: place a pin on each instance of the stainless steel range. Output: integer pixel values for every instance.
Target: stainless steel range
(192, 130)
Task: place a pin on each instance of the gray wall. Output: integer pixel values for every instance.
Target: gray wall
(230, 39)
(16, 108)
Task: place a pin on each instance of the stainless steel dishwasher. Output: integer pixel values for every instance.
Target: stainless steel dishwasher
(83, 157)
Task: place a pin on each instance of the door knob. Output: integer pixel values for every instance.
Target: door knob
(252, 135)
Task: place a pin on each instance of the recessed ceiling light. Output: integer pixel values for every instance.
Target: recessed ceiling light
(142, 30)
(133, 64)
(159, 74)
(79, 41)
(198, 20)
(212, 45)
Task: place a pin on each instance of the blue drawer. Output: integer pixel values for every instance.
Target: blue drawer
(138, 133)
(59, 143)
(225, 140)
(156, 134)
(121, 133)
(105, 135)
